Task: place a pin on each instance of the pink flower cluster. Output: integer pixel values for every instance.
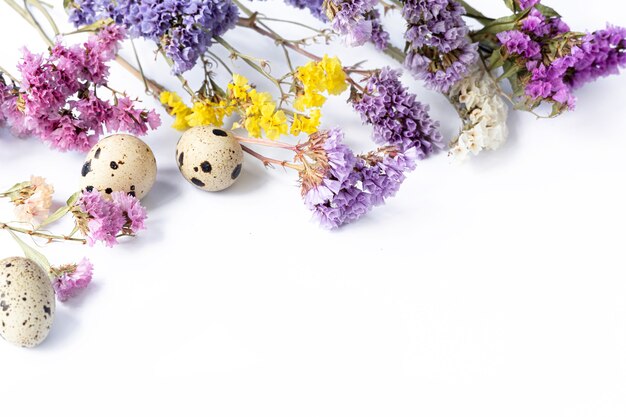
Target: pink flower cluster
(57, 98)
(69, 280)
(108, 219)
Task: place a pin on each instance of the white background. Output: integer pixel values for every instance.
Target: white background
(494, 288)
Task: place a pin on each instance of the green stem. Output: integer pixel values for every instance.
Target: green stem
(395, 53)
(28, 16)
(39, 6)
(248, 60)
(155, 87)
(471, 12)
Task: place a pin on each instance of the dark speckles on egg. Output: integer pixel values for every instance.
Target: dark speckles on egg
(220, 132)
(198, 182)
(108, 190)
(89, 188)
(86, 168)
(206, 167)
(236, 172)
(114, 165)
(97, 154)
(181, 159)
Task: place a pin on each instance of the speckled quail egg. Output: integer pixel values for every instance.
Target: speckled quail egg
(119, 163)
(209, 158)
(26, 302)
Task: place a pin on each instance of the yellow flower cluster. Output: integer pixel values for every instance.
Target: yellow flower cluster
(258, 112)
(176, 108)
(326, 75)
(201, 114)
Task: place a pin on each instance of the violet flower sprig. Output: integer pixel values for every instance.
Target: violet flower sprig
(438, 49)
(544, 60)
(183, 29)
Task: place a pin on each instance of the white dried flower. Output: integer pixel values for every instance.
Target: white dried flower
(484, 115)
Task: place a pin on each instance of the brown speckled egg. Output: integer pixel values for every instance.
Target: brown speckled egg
(209, 158)
(119, 163)
(26, 302)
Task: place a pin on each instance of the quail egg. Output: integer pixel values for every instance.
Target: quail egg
(26, 302)
(119, 163)
(209, 158)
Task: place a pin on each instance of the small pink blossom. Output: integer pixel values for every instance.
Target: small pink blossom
(69, 280)
(132, 209)
(105, 219)
(37, 205)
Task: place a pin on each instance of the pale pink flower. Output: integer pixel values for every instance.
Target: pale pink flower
(35, 207)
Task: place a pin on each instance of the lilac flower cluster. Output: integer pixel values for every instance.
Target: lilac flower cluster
(358, 21)
(602, 53)
(554, 61)
(314, 6)
(57, 99)
(527, 4)
(183, 28)
(342, 187)
(104, 220)
(438, 48)
(380, 37)
(398, 118)
(69, 280)
(8, 94)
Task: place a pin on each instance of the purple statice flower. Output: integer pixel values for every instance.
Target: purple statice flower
(438, 47)
(537, 25)
(548, 82)
(380, 37)
(330, 187)
(339, 187)
(314, 6)
(104, 219)
(398, 118)
(125, 117)
(527, 4)
(69, 280)
(518, 43)
(57, 102)
(184, 29)
(335, 164)
(348, 17)
(383, 172)
(7, 96)
(10, 114)
(601, 54)
(133, 210)
(554, 61)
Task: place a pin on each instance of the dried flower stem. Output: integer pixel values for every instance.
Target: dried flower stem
(268, 162)
(264, 142)
(35, 233)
